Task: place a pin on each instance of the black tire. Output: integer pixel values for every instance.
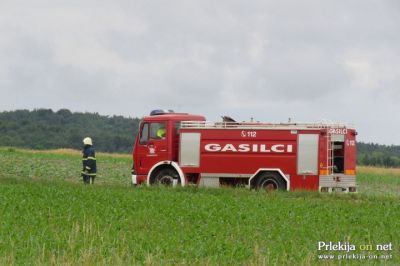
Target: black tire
(270, 182)
(165, 177)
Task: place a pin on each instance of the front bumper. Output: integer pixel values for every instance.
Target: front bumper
(134, 179)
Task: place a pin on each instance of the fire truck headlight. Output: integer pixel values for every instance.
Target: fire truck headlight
(134, 179)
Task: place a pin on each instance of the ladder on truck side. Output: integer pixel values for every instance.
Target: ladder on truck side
(330, 150)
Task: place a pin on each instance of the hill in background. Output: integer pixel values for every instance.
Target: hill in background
(46, 129)
(378, 155)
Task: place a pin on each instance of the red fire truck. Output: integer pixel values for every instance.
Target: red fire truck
(180, 149)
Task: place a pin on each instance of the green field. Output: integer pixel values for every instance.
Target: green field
(48, 217)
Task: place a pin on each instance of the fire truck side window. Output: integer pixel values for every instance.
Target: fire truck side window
(144, 134)
(157, 131)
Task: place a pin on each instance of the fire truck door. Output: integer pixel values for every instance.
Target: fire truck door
(153, 145)
(307, 161)
(307, 154)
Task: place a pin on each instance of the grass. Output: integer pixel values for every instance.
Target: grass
(48, 217)
(374, 181)
(62, 165)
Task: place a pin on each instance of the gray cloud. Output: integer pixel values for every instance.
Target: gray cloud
(271, 60)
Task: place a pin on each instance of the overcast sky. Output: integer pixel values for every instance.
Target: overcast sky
(271, 60)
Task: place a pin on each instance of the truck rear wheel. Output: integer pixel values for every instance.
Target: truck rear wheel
(167, 177)
(270, 182)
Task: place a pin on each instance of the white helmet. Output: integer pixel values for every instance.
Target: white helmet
(87, 141)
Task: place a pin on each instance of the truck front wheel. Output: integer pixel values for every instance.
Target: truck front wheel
(270, 182)
(167, 177)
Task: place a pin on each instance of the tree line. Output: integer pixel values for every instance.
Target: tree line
(372, 154)
(48, 129)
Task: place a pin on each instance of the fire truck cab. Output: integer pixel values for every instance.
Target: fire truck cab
(180, 149)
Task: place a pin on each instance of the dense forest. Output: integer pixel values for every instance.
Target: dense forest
(378, 155)
(46, 129)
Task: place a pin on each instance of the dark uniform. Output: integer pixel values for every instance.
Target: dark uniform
(89, 164)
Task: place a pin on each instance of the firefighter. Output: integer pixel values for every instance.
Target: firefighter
(161, 132)
(88, 161)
